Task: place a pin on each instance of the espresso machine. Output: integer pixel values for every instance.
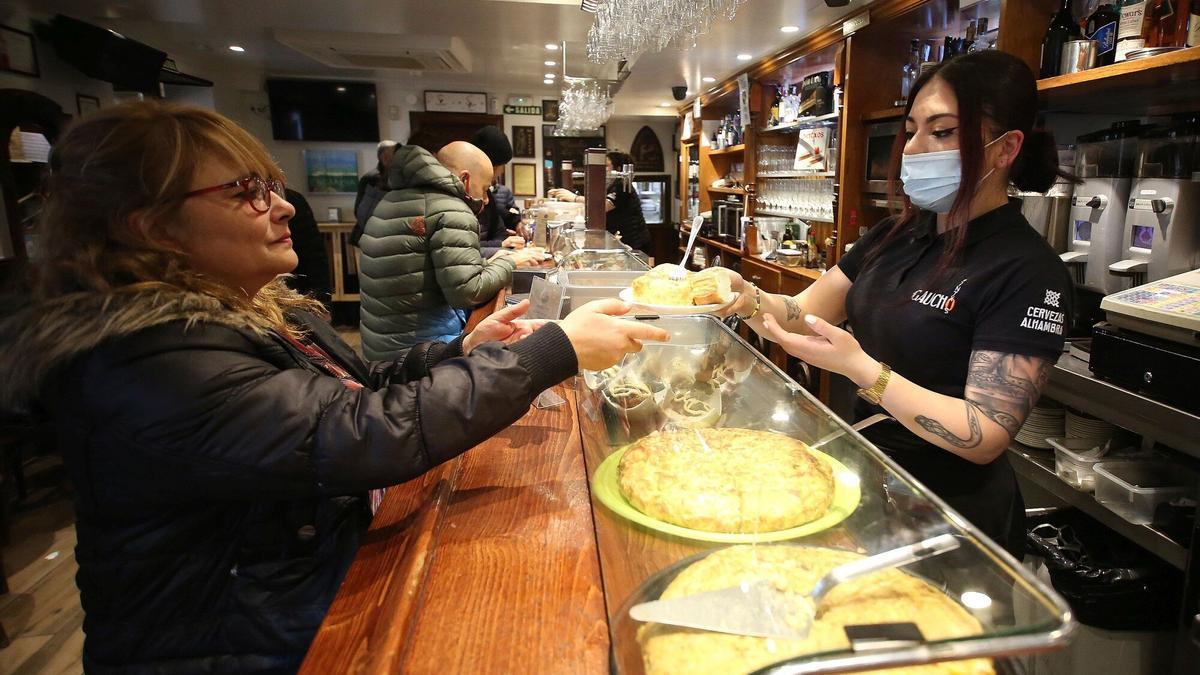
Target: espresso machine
(1105, 161)
(1161, 235)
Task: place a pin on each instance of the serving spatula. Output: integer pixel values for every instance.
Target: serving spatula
(758, 609)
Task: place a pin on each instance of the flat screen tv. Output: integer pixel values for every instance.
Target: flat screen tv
(323, 110)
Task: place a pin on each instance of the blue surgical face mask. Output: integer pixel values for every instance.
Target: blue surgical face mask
(931, 179)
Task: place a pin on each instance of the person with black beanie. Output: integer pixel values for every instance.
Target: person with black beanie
(498, 222)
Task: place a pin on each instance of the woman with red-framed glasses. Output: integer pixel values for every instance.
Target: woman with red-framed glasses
(222, 440)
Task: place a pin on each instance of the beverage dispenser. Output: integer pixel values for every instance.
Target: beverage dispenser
(1105, 161)
(1161, 237)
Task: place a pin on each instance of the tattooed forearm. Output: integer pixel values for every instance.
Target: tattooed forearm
(973, 439)
(793, 308)
(1005, 386)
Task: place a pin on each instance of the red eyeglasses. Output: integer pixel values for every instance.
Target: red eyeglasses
(256, 191)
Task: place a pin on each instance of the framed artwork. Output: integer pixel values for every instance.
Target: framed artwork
(524, 180)
(86, 104)
(524, 144)
(549, 110)
(333, 171)
(456, 101)
(17, 52)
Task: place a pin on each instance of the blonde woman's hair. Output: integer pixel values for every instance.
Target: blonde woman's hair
(115, 183)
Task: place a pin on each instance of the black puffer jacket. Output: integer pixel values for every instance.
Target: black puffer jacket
(221, 475)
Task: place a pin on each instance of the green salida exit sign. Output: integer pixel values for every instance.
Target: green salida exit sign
(522, 110)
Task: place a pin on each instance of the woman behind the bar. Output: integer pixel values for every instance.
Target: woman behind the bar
(221, 439)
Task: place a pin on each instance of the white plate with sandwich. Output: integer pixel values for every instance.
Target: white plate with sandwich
(701, 292)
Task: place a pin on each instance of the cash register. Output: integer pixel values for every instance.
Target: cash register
(1151, 341)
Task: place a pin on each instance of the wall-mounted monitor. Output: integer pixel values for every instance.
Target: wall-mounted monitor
(323, 110)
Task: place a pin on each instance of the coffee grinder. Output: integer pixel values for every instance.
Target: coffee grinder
(1105, 161)
(1161, 236)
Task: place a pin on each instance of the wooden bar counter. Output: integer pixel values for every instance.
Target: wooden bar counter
(487, 564)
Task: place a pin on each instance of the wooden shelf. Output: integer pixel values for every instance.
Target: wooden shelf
(805, 123)
(690, 140)
(727, 191)
(1157, 85)
(784, 214)
(797, 174)
(731, 150)
(885, 114)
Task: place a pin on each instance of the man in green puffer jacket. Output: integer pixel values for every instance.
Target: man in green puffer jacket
(421, 271)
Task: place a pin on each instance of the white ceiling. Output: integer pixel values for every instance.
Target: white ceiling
(506, 38)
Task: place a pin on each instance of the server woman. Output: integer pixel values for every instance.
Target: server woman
(623, 207)
(220, 438)
(957, 306)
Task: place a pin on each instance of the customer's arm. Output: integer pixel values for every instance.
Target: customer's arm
(466, 279)
(219, 422)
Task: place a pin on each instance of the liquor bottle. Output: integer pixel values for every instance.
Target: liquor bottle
(1187, 29)
(970, 37)
(1129, 28)
(910, 70)
(1158, 24)
(982, 41)
(774, 114)
(1102, 27)
(1062, 28)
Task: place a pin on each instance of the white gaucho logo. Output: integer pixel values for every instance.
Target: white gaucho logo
(939, 301)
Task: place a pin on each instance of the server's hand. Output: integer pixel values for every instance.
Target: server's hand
(745, 301)
(600, 339)
(831, 349)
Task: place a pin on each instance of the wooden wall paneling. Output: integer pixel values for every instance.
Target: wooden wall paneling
(1023, 26)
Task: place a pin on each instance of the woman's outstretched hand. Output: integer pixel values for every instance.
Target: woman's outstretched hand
(831, 349)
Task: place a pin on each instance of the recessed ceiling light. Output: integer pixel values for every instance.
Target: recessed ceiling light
(237, 48)
(549, 76)
(551, 46)
(744, 57)
(551, 63)
(340, 88)
(790, 29)
(709, 79)
(664, 104)
(547, 81)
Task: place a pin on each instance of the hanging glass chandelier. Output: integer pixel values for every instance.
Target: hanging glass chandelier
(585, 105)
(625, 28)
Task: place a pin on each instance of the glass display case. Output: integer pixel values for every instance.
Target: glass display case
(602, 259)
(575, 238)
(656, 428)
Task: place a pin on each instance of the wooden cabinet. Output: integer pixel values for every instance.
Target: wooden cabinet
(760, 275)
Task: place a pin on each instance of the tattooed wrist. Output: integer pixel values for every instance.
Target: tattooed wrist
(792, 307)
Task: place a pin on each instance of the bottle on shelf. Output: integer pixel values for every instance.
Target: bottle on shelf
(773, 116)
(1159, 24)
(1062, 28)
(1129, 28)
(1190, 18)
(969, 39)
(910, 70)
(1102, 27)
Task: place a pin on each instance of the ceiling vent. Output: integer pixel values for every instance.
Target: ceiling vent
(380, 51)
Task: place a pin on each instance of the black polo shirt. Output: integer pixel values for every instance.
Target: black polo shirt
(626, 217)
(1008, 292)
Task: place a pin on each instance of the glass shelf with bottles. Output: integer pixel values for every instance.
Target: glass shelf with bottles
(976, 28)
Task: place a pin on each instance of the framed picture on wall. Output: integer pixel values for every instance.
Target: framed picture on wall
(456, 101)
(17, 52)
(86, 104)
(524, 180)
(549, 110)
(331, 171)
(523, 142)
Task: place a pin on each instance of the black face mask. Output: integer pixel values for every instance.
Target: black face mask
(476, 205)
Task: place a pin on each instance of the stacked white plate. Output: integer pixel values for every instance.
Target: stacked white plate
(1044, 421)
(1084, 426)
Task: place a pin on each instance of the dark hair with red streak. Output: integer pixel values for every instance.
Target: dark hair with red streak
(996, 93)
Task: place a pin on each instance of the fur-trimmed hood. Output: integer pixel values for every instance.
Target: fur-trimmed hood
(39, 338)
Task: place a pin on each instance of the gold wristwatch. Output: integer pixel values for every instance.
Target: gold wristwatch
(874, 395)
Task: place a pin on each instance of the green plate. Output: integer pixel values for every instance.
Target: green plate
(846, 493)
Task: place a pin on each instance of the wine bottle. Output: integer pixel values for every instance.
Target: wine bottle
(1129, 28)
(1189, 18)
(774, 117)
(1062, 28)
(1102, 27)
(910, 70)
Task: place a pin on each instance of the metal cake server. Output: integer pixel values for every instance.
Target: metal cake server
(758, 609)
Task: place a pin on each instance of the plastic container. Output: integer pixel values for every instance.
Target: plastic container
(1133, 489)
(1075, 460)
